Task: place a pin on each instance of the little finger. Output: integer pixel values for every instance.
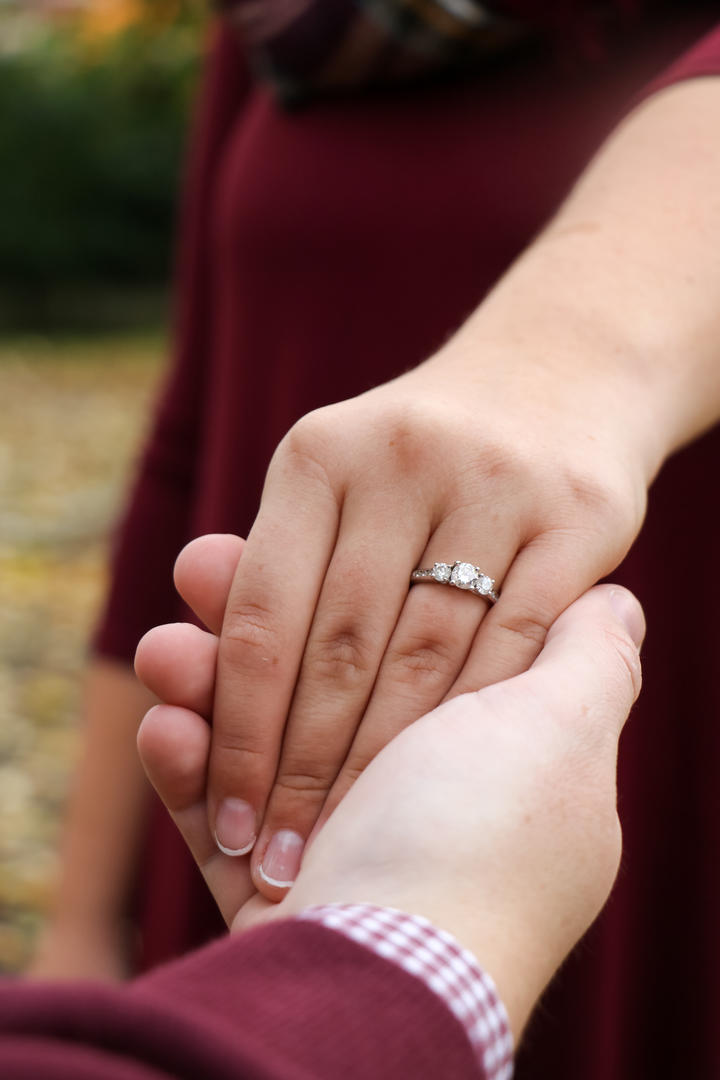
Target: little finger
(547, 575)
(266, 624)
(174, 744)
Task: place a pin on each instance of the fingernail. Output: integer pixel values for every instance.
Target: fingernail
(629, 613)
(281, 861)
(235, 827)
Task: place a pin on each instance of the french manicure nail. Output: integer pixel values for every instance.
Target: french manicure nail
(281, 861)
(235, 832)
(629, 613)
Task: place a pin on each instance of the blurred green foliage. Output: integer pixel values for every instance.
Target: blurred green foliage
(91, 141)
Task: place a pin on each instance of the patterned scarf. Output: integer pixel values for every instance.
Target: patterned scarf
(306, 47)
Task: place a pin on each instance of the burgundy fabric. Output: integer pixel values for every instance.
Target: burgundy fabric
(700, 60)
(327, 250)
(292, 1001)
(160, 511)
(433, 955)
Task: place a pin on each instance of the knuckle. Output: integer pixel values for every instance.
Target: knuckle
(526, 631)
(608, 503)
(309, 444)
(307, 778)
(249, 630)
(628, 659)
(425, 657)
(588, 492)
(345, 657)
(412, 433)
(238, 744)
(351, 772)
(501, 467)
(311, 428)
(237, 748)
(405, 428)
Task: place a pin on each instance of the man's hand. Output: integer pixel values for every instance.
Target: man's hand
(494, 816)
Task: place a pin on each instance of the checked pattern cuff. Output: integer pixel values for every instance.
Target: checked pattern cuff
(447, 969)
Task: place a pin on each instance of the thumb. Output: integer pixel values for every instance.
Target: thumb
(591, 656)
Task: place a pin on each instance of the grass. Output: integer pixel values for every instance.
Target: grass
(73, 413)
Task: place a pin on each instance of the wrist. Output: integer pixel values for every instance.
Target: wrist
(635, 334)
(628, 272)
(75, 912)
(437, 959)
(519, 968)
(555, 336)
(68, 948)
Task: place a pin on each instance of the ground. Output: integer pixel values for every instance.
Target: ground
(72, 415)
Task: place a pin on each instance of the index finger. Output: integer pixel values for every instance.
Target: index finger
(267, 619)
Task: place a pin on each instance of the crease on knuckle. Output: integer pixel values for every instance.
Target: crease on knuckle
(407, 434)
(500, 466)
(588, 492)
(424, 657)
(242, 747)
(526, 630)
(248, 627)
(307, 447)
(344, 657)
(308, 778)
(629, 659)
(351, 772)
(611, 507)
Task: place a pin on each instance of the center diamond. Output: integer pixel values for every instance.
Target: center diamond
(463, 575)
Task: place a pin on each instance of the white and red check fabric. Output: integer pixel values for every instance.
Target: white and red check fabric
(446, 968)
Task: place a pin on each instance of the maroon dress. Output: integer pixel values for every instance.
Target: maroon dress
(329, 248)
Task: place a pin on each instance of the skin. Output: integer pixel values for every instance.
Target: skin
(527, 446)
(521, 775)
(591, 362)
(86, 936)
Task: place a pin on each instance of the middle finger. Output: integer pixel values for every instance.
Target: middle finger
(364, 589)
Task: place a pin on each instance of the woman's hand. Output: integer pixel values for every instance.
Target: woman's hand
(479, 769)
(518, 460)
(525, 447)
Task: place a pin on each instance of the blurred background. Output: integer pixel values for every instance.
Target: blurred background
(94, 100)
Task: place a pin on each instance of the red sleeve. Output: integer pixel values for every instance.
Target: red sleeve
(702, 59)
(291, 1001)
(158, 517)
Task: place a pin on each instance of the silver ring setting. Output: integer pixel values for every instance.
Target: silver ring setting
(462, 575)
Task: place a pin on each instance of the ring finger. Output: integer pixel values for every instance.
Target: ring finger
(429, 647)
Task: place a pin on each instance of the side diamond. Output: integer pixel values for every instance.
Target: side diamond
(441, 572)
(484, 584)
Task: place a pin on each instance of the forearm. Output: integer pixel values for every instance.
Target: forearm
(622, 289)
(104, 819)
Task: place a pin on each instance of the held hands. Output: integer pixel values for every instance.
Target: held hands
(325, 653)
(494, 816)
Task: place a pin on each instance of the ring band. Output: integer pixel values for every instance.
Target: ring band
(462, 575)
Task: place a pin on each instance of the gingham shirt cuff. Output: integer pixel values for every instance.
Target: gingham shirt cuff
(447, 969)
